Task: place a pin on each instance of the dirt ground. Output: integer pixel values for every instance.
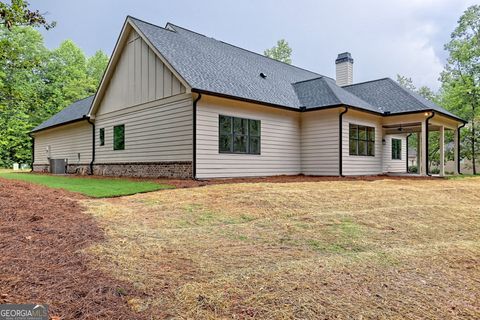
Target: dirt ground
(42, 235)
(305, 248)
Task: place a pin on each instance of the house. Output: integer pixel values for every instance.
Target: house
(175, 103)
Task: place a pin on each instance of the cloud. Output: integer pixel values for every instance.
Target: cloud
(386, 37)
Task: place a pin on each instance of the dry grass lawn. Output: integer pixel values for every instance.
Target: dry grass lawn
(383, 249)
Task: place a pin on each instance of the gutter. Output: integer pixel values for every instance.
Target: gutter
(194, 137)
(340, 142)
(383, 114)
(426, 143)
(408, 136)
(93, 144)
(59, 124)
(458, 149)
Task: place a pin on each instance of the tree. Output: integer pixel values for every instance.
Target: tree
(96, 65)
(21, 85)
(66, 78)
(461, 77)
(17, 13)
(405, 82)
(35, 83)
(281, 52)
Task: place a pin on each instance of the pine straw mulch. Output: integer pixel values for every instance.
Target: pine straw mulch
(42, 234)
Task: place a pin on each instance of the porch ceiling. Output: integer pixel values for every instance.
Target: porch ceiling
(408, 128)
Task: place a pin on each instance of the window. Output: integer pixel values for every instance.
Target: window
(361, 140)
(119, 137)
(238, 135)
(396, 149)
(102, 136)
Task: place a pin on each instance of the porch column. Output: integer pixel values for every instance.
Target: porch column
(442, 151)
(419, 152)
(455, 151)
(423, 164)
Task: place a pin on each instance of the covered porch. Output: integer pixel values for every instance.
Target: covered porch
(422, 124)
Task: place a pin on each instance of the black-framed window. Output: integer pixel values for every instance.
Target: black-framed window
(361, 140)
(119, 137)
(396, 149)
(101, 135)
(238, 135)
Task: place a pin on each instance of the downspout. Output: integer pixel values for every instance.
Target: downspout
(408, 136)
(33, 151)
(93, 146)
(194, 137)
(458, 149)
(426, 143)
(340, 140)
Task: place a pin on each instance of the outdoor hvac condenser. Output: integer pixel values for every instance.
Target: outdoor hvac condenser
(58, 166)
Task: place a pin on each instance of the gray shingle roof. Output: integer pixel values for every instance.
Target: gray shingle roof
(76, 111)
(389, 96)
(324, 92)
(215, 66)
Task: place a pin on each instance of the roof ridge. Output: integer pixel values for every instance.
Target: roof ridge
(250, 51)
(85, 97)
(354, 84)
(149, 23)
(353, 95)
(333, 92)
(306, 80)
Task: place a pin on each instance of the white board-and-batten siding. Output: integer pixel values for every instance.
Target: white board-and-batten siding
(280, 141)
(389, 164)
(66, 142)
(158, 131)
(139, 77)
(319, 145)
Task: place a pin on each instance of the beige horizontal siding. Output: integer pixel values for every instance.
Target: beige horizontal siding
(320, 142)
(139, 77)
(65, 142)
(154, 132)
(389, 164)
(362, 165)
(280, 141)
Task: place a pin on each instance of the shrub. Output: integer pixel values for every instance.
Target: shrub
(413, 169)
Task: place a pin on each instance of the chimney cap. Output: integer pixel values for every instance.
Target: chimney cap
(344, 57)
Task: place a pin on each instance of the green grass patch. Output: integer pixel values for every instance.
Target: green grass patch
(97, 188)
(462, 176)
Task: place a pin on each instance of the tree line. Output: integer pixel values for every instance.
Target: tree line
(35, 82)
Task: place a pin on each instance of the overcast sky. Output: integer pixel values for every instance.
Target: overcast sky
(385, 38)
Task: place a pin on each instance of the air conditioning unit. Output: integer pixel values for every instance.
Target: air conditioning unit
(58, 166)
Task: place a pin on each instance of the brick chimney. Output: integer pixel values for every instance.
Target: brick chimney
(344, 69)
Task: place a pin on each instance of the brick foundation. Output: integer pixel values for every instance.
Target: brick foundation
(145, 170)
(181, 170)
(41, 168)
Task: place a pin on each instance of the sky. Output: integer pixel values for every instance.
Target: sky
(385, 38)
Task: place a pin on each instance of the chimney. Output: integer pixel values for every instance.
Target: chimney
(344, 69)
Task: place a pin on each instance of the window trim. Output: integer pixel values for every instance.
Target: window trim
(117, 126)
(357, 140)
(101, 137)
(247, 135)
(399, 151)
